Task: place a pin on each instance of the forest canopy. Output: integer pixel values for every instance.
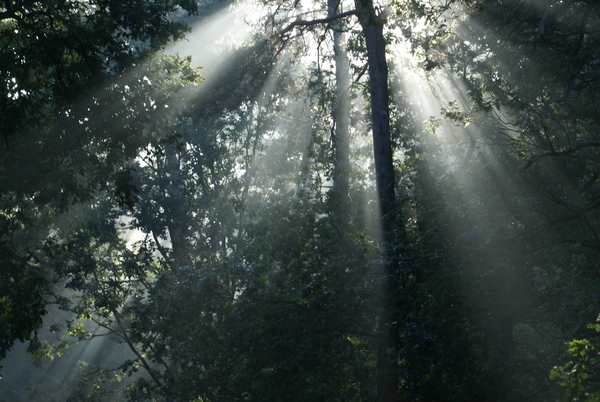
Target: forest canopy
(308, 201)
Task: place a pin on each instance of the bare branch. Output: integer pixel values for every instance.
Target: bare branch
(560, 153)
(318, 21)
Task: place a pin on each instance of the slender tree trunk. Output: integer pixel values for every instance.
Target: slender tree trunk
(389, 339)
(341, 117)
(387, 361)
(175, 211)
(380, 109)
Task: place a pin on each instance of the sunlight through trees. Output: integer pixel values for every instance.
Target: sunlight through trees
(309, 201)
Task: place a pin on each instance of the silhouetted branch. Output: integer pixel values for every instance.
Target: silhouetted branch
(560, 153)
(578, 214)
(316, 22)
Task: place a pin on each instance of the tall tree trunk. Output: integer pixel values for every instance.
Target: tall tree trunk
(175, 210)
(341, 117)
(387, 361)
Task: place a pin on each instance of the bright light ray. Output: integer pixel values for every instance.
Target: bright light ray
(212, 44)
(22, 380)
(486, 226)
(212, 41)
(454, 145)
(286, 145)
(428, 96)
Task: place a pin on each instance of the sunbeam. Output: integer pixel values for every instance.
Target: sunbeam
(362, 201)
(213, 39)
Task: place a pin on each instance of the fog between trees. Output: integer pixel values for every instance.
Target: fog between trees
(352, 201)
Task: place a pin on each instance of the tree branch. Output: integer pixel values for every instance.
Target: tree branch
(577, 214)
(560, 153)
(316, 22)
(159, 246)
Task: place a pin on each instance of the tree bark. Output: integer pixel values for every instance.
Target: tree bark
(176, 214)
(389, 340)
(341, 117)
